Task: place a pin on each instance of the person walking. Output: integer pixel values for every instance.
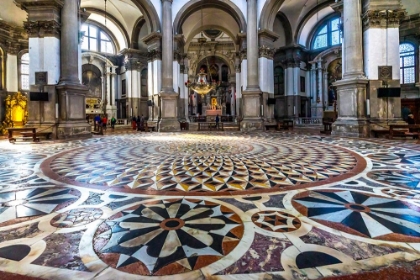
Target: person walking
(104, 122)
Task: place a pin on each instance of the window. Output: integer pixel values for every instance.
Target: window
(407, 64)
(24, 72)
(278, 81)
(96, 40)
(328, 35)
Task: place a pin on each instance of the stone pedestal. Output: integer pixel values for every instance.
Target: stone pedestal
(168, 106)
(251, 111)
(352, 121)
(72, 118)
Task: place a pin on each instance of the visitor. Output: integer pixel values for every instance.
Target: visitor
(142, 123)
(217, 121)
(138, 123)
(96, 121)
(113, 122)
(104, 122)
(410, 119)
(134, 123)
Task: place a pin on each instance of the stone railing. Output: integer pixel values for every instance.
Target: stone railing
(309, 121)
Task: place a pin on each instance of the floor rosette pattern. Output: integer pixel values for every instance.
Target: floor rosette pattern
(203, 165)
(169, 236)
(220, 206)
(363, 214)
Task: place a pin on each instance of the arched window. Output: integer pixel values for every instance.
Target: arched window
(328, 35)
(407, 64)
(96, 40)
(24, 72)
(278, 81)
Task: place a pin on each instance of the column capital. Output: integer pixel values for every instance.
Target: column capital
(154, 55)
(383, 18)
(42, 28)
(266, 52)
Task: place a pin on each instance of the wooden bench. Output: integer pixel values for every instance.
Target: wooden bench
(269, 126)
(404, 130)
(284, 124)
(46, 135)
(378, 132)
(209, 126)
(12, 138)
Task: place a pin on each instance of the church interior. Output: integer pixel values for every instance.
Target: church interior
(210, 139)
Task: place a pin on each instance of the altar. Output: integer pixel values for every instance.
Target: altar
(213, 112)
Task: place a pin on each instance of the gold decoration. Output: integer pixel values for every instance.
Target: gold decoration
(16, 111)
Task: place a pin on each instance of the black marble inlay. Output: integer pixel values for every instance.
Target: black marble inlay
(315, 259)
(15, 252)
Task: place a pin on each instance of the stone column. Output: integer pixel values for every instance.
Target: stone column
(168, 97)
(153, 42)
(71, 93)
(382, 59)
(252, 94)
(266, 70)
(352, 88)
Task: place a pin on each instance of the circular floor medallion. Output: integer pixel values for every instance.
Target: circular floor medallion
(168, 236)
(362, 214)
(195, 164)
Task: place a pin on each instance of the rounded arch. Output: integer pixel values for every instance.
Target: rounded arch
(286, 26)
(149, 12)
(114, 21)
(135, 35)
(315, 30)
(269, 13)
(309, 15)
(195, 5)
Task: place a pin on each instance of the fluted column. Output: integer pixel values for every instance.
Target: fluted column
(352, 88)
(252, 95)
(69, 43)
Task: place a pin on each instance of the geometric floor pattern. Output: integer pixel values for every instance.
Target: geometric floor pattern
(226, 205)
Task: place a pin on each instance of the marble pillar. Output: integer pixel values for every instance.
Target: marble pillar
(351, 90)
(71, 93)
(168, 97)
(381, 50)
(252, 95)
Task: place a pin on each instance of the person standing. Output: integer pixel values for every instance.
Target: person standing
(104, 122)
(113, 121)
(96, 122)
(217, 121)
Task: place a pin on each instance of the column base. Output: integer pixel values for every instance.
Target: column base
(350, 127)
(169, 125)
(250, 124)
(251, 110)
(169, 112)
(73, 130)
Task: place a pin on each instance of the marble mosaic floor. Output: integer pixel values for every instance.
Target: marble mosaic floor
(227, 205)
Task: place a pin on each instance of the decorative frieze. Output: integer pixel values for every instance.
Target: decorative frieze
(383, 18)
(40, 29)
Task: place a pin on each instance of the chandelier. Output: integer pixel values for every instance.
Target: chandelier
(201, 85)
